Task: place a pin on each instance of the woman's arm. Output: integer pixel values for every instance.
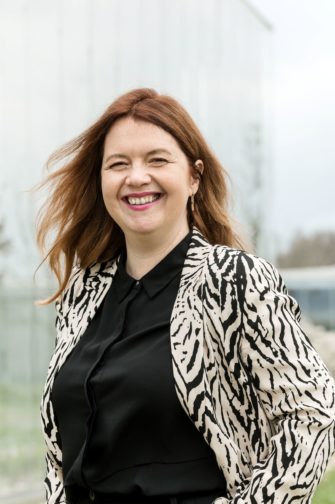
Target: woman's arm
(292, 384)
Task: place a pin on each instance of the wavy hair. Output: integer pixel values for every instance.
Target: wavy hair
(82, 230)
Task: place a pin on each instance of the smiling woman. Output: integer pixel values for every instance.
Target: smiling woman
(181, 373)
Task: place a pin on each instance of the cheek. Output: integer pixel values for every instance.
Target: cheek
(108, 196)
(108, 187)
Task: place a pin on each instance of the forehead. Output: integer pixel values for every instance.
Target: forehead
(129, 136)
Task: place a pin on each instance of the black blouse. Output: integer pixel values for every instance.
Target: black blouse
(122, 427)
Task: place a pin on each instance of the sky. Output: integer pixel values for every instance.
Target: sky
(303, 115)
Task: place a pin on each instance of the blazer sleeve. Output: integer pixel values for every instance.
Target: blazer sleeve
(53, 481)
(53, 484)
(292, 384)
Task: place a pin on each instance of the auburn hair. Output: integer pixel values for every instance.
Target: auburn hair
(74, 214)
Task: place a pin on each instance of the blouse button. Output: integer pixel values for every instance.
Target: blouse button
(91, 495)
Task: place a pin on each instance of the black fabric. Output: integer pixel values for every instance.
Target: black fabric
(84, 496)
(123, 430)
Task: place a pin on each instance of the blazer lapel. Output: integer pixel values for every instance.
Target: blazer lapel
(186, 332)
(95, 284)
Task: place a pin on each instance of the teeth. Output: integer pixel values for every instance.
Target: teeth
(145, 199)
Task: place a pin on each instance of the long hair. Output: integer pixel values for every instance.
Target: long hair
(83, 231)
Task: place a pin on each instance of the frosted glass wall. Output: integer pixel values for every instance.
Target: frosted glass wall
(63, 62)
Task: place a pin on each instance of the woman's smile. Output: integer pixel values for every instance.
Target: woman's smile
(142, 201)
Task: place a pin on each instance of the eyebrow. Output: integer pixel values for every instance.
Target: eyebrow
(154, 151)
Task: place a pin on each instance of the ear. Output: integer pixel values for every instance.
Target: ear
(197, 170)
(199, 166)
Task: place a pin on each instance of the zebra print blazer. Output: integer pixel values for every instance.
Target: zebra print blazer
(244, 372)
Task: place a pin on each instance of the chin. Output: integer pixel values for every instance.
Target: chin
(144, 226)
(143, 229)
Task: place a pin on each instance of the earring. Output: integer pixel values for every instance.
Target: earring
(192, 202)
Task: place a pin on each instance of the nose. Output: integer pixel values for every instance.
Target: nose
(138, 175)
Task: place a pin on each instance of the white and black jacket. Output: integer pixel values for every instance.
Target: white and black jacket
(244, 372)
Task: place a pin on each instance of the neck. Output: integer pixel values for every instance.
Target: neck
(143, 252)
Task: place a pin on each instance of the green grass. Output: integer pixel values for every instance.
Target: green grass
(22, 447)
(325, 493)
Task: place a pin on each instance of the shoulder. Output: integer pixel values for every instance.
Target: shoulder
(232, 264)
(245, 261)
(246, 269)
(254, 281)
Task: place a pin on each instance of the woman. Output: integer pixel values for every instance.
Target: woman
(180, 372)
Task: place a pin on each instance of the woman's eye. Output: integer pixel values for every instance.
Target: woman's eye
(158, 160)
(117, 164)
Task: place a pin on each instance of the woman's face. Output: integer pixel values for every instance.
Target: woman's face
(146, 180)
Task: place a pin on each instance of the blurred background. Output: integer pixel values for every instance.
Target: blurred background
(257, 76)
